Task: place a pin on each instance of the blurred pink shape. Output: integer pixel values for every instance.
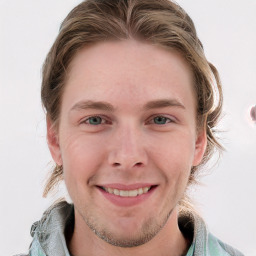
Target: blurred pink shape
(253, 113)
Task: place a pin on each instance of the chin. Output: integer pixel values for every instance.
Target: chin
(127, 239)
(127, 232)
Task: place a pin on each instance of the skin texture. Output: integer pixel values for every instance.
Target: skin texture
(133, 143)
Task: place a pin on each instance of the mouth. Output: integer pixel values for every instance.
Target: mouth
(128, 192)
(127, 195)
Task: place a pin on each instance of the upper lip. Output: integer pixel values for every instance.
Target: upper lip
(120, 186)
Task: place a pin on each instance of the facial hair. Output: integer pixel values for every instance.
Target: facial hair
(148, 231)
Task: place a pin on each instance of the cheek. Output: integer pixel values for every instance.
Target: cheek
(174, 153)
(81, 156)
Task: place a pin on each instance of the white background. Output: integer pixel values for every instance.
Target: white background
(227, 197)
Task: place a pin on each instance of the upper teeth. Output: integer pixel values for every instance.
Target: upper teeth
(127, 193)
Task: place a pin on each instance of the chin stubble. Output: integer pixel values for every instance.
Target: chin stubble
(148, 231)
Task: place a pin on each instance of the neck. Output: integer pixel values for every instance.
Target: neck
(169, 241)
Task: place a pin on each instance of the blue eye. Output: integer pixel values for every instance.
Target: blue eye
(161, 120)
(94, 120)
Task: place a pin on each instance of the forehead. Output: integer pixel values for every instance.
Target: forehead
(128, 70)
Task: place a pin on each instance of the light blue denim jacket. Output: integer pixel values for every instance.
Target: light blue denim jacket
(49, 240)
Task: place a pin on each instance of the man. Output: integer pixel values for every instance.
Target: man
(131, 109)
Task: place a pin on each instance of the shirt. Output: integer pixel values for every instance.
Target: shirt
(49, 239)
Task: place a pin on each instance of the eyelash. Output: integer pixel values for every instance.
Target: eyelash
(169, 120)
(87, 119)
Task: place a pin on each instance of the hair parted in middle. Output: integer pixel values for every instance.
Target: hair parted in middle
(162, 23)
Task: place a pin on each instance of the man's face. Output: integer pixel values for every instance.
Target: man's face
(127, 138)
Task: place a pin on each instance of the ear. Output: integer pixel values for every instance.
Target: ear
(200, 147)
(53, 142)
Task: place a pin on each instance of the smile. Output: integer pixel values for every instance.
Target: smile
(127, 193)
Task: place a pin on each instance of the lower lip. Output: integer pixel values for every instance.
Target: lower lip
(127, 201)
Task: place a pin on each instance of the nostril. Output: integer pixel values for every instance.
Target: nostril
(139, 164)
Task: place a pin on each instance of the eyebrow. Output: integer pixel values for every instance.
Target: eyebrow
(99, 105)
(163, 103)
(102, 105)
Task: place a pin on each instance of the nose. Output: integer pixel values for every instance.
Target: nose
(127, 149)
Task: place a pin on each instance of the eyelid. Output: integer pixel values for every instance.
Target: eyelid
(171, 118)
(108, 121)
(104, 118)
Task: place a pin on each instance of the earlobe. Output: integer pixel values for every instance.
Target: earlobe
(53, 142)
(200, 147)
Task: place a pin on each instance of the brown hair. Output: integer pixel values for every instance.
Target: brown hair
(161, 23)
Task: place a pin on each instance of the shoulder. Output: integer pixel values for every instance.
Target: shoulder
(48, 232)
(216, 244)
(204, 243)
